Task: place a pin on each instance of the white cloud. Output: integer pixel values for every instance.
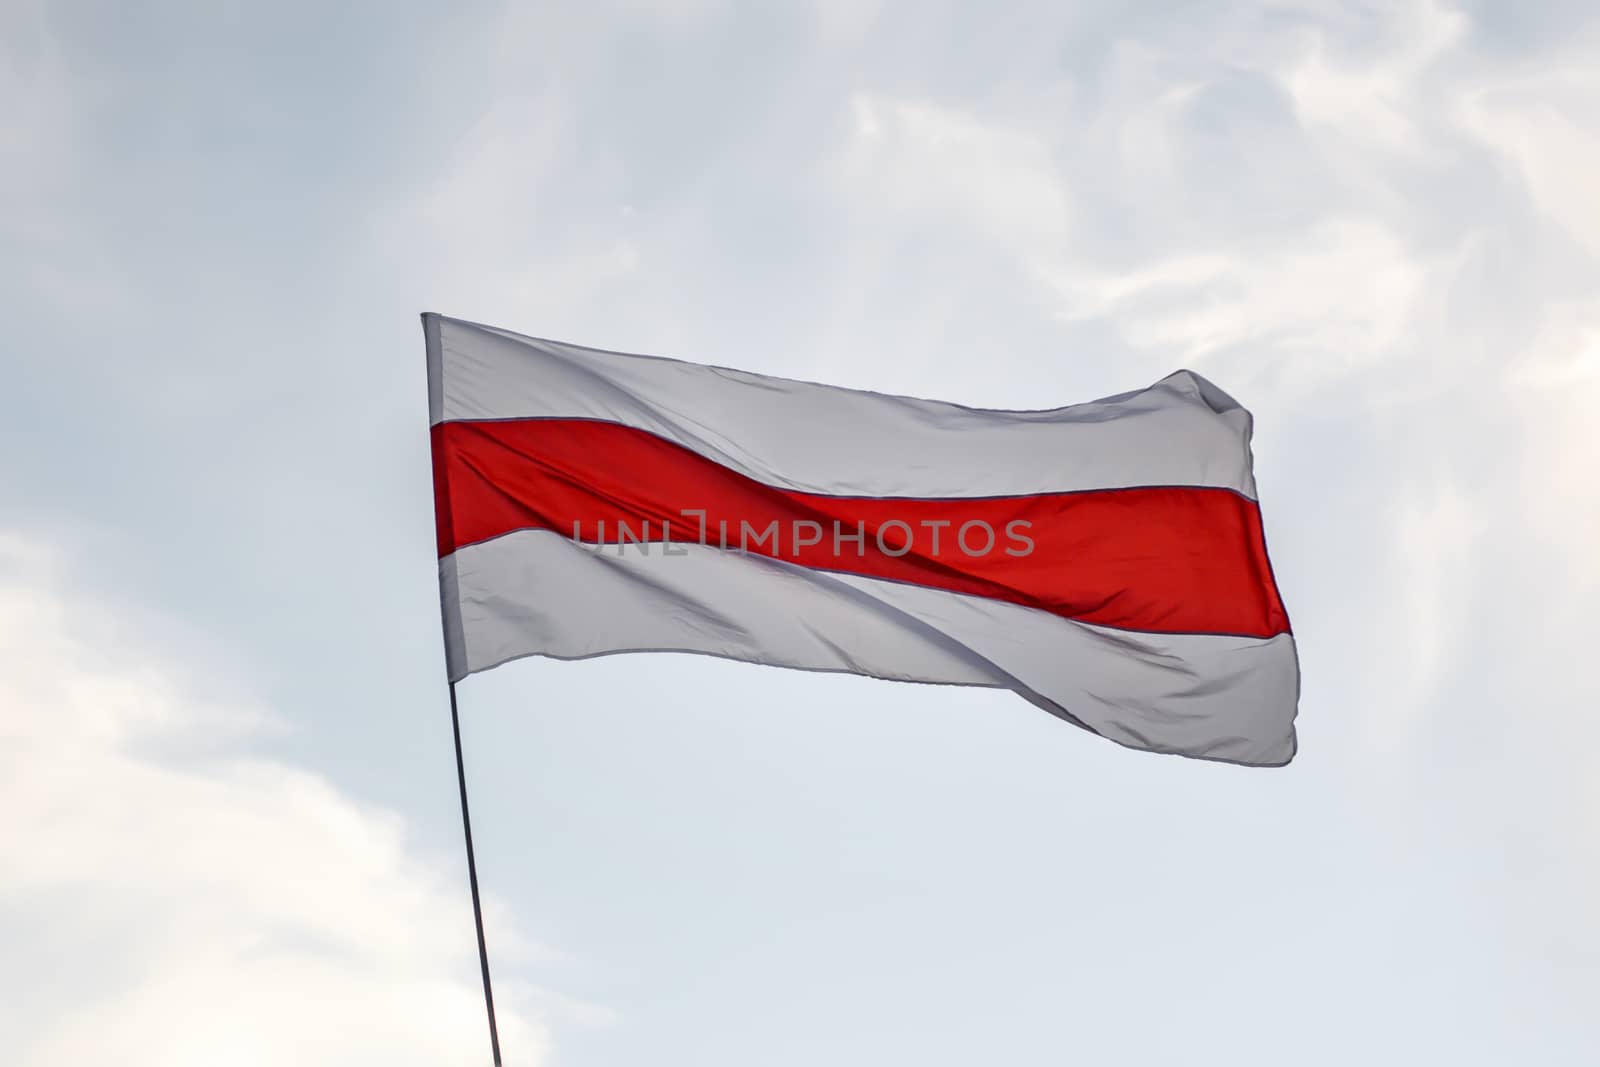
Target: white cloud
(173, 903)
(917, 161)
(1369, 95)
(1541, 127)
(487, 232)
(1555, 391)
(1432, 578)
(1545, 126)
(1340, 294)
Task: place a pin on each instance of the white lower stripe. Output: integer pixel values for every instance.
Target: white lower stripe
(537, 593)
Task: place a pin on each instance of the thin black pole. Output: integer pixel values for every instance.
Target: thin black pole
(472, 877)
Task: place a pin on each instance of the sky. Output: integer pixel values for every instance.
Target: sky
(229, 831)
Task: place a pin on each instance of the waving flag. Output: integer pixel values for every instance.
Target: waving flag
(1103, 560)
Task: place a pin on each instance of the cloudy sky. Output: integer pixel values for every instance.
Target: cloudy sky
(228, 822)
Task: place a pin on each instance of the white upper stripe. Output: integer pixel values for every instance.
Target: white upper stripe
(817, 438)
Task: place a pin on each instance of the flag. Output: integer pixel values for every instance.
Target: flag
(1105, 560)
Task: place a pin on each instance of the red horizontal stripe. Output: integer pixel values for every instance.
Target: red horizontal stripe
(1160, 559)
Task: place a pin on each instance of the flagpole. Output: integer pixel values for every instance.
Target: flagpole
(472, 878)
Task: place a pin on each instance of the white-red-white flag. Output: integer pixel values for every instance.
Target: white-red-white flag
(1104, 560)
